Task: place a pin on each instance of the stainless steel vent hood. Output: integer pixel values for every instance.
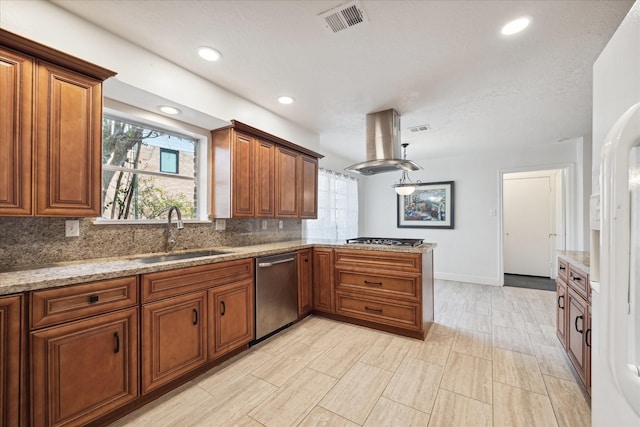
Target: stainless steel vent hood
(383, 146)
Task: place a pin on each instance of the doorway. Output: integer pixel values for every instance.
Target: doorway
(533, 223)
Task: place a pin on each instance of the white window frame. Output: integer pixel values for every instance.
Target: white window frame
(133, 114)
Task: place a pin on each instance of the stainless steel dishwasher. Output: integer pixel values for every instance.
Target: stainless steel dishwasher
(276, 292)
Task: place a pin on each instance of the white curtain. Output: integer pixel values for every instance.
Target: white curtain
(337, 208)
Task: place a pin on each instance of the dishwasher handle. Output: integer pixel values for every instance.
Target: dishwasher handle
(270, 264)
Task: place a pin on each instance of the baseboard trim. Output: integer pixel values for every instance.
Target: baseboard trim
(492, 281)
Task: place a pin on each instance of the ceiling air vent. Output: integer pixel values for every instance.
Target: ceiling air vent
(420, 128)
(343, 17)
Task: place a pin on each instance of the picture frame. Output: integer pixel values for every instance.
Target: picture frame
(431, 205)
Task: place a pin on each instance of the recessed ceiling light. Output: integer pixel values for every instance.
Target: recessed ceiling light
(285, 100)
(515, 26)
(209, 53)
(167, 109)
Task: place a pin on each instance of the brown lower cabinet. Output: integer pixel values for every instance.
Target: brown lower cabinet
(11, 360)
(231, 317)
(305, 282)
(561, 311)
(323, 280)
(84, 369)
(174, 338)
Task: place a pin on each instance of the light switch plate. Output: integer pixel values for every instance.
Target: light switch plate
(221, 224)
(280, 224)
(72, 228)
(264, 224)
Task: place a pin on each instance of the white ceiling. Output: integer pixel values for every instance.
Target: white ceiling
(442, 63)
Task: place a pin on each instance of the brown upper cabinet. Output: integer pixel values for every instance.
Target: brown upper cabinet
(51, 111)
(258, 175)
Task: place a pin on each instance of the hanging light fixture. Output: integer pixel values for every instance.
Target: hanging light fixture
(404, 187)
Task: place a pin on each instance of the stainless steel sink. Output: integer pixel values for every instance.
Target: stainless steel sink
(174, 257)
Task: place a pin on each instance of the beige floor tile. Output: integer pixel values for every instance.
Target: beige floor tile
(443, 329)
(288, 364)
(434, 349)
(473, 343)
(476, 322)
(289, 405)
(339, 359)
(517, 369)
(388, 413)
(245, 421)
(569, 402)
(508, 319)
(515, 407)
(478, 307)
(238, 367)
(542, 335)
(357, 392)
(555, 362)
(453, 409)
(511, 339)
(469, 376)
(504, 303)
(387, 352)
(321, 417)
(415, 384)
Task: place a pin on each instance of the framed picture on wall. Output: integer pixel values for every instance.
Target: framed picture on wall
(430, 206)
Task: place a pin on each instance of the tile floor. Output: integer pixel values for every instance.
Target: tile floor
(491, 359)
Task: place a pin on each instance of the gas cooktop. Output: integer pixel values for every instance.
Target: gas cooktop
(385, 241)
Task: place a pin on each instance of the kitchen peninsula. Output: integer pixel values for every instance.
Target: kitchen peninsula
(148, 323)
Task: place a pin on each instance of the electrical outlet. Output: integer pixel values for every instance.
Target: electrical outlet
(492, 212)
(280, 224)
(72, 228)
(221, 224)
(264, 224)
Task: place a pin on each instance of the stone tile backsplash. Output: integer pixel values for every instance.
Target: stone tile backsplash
(32, 242)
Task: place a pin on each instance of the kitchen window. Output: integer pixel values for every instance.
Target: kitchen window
(337, 208)
(146, 170)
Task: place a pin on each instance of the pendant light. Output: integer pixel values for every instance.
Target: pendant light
(404, 187)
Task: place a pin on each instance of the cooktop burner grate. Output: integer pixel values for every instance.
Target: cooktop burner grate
(385, 241)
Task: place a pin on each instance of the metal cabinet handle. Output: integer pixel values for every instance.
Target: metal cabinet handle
(377, 310)
(587, 337)
(576, 278)
(94, 298)
(561, 306)
(562, 268)
(576, 324)
(366, 282)
(195, 316)
(116, 335)
(223, 308)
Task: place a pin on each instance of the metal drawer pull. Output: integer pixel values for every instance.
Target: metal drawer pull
(195, 316)
(223, 308)
(576, 278)
(587, 335)
(366, 282)
(562, 268)
(269, 264)
(94, 298)
(377, 310)
(116, 335)
(576, 324)
(561, 306)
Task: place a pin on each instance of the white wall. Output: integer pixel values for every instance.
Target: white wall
(52, 26)
(470, 252)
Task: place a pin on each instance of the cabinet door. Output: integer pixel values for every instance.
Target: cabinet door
(587, 349)
(561, 311)
(83, 370)
(286, 183)
(68, 143)
(232, 317)
(174, 338)
(323, 280)
(308, 187)
(305, 282)
(576, 327)
(243, 177)
(16, 104)
(265, 179)
(11, 360)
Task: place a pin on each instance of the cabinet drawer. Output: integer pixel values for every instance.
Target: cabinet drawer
(393, 261)
(579, 281)
(563, 269)
(381, 283)
(379, 310)
(164, 284)
(57, 305)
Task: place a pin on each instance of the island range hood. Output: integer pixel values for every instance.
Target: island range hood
(383, 146)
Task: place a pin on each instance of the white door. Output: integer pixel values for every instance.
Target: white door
(527, 226)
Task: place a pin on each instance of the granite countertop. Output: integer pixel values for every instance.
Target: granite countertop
(75, 272)
(579, 259)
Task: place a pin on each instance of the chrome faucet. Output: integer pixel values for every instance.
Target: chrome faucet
(172, 238)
